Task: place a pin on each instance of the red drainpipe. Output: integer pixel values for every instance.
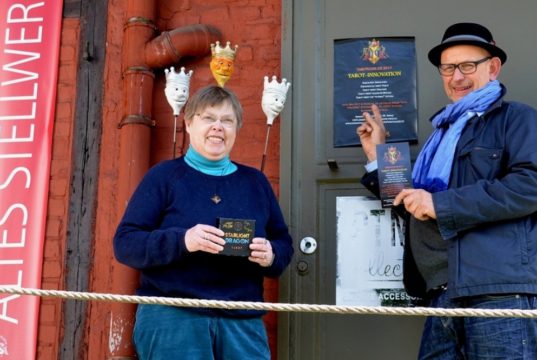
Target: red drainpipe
(135, 130)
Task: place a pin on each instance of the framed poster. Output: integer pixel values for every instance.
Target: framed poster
(379, 71)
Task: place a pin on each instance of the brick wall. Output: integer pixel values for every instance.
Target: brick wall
(50, 316)
(255, 26)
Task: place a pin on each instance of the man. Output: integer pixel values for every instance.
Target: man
(472, 215)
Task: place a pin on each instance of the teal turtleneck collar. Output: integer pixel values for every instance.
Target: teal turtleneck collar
(216, 168)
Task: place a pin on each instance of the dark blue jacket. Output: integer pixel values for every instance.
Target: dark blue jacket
(489, 212)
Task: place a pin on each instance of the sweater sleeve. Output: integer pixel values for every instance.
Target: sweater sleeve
(138, 241)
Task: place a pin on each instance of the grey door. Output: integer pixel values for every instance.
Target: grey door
(310, 186)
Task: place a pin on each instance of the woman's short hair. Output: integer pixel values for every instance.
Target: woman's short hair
(211, 96)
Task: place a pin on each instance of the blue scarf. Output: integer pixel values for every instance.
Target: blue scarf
(432, 169)
(210, 167)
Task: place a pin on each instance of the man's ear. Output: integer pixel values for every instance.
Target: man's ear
(494, 68)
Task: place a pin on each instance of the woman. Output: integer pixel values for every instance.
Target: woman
(170, 233)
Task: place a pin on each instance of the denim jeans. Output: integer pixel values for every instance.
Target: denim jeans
(478, 338)
(173, 333)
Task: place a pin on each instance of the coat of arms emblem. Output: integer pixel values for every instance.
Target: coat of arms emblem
(374, 52)
(392, 155)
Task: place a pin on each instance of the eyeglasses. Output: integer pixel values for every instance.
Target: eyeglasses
(211, 120)
(466, 68)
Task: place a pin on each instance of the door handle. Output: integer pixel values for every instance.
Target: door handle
(308, 245)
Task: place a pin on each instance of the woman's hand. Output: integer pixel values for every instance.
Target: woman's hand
(261, 252)
(205, 238)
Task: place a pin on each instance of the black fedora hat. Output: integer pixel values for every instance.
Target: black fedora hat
(467, 34)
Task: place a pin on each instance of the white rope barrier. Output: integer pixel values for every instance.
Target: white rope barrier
(248, 305)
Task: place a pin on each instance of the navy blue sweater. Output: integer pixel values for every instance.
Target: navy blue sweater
(173, 197)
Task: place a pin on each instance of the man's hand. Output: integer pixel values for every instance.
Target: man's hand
(418, 202)
(372, 132)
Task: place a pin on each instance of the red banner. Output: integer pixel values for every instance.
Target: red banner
(29, 37)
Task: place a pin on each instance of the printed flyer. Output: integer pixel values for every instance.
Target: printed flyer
(377, 70)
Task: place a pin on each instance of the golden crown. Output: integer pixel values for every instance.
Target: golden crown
(274, 86)
(225, 52)
(178, 78)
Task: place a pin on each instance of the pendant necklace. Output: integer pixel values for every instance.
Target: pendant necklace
(216, 199)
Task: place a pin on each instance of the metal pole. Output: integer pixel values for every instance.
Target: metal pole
(265, 150)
